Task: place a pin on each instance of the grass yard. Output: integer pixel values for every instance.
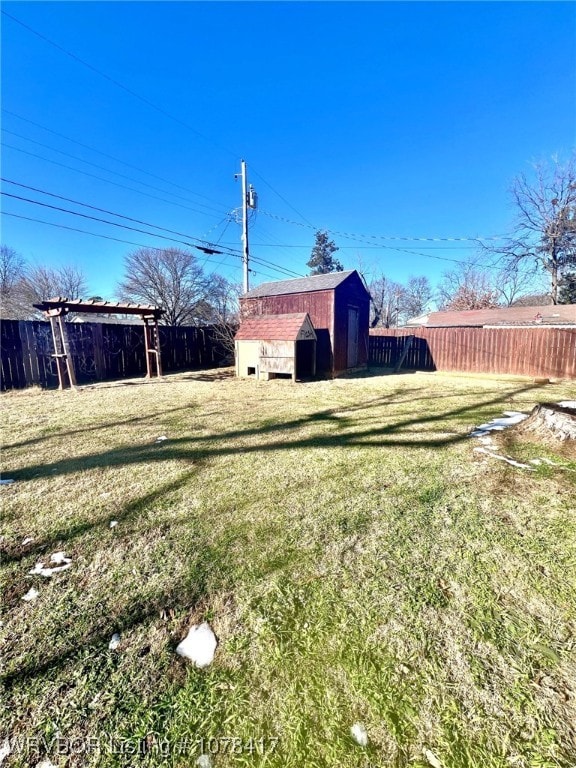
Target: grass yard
(357, 560)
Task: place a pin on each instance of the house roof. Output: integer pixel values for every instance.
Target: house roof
(300, 285)
(288, 327)
(549, 315)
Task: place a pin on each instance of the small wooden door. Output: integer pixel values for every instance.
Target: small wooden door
(352, 337)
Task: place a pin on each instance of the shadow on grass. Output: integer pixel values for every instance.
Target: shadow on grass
(97, 425)
(211, 566)
(205, 447)
(210, 569)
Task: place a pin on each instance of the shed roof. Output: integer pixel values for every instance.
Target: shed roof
(275, 327)
(300, 285)
(549, 315)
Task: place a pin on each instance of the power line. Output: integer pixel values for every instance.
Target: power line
(353, 235)
(309, 223)
(210, 248)
(278, 268)
(107, 181)
(102, 210)
(190, 128)
(86, 232)
(107, 170)
(152, 105)
(104, 154)
(369, 247)
(119, 84)
(103, 221)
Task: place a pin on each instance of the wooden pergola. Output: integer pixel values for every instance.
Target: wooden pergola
(56, 308)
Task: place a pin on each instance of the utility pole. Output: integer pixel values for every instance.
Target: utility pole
(249, 200)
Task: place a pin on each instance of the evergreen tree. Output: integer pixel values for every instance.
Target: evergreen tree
(567, 292)
(321, 260)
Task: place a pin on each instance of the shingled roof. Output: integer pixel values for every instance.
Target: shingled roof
(300, 285)
(549, 315)
(273, 327)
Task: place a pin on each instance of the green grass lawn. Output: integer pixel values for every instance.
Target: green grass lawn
(357, 560)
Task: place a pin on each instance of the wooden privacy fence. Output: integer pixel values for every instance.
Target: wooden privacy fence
(101, 351)
(546, 352)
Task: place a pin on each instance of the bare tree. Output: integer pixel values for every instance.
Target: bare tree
(416, 297)
(467, 287)
(386, 298)
(45, 283)
(170, 278)
(225, 302)
(532, 300)
(544, 234)
(12, 269)
(29, 285)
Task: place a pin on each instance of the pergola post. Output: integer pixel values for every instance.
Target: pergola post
(64, 361)
(54, 309)
(157, 340)
(152, 345)
(57, 354)
(67, 354)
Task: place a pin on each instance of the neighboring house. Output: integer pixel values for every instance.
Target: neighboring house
(338, 306)
(549, 316)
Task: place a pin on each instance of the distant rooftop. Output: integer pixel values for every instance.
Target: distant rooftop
(300, 285)
(548, 315)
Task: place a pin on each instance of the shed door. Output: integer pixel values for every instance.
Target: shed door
(352, 337)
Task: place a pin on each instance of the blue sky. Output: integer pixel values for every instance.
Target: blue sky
(373, 120)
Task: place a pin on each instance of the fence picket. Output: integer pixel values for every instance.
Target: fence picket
(541, 352)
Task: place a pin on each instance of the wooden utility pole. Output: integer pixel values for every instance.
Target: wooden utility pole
(245, 253)
(249, 200)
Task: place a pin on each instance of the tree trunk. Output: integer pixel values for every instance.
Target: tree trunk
(552, 420)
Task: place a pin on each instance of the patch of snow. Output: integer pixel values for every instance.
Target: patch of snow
(567, 403)
(199, 645)
(7, 481)
(509, 419)
(359, 734)
(113, 523)
(58, 562)
(504, 458)
(549, 462)
(4, 751)
(59, 558)
(31, 595)
(432, 759)
(114, 641)
(486, 441)
(161, 439)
